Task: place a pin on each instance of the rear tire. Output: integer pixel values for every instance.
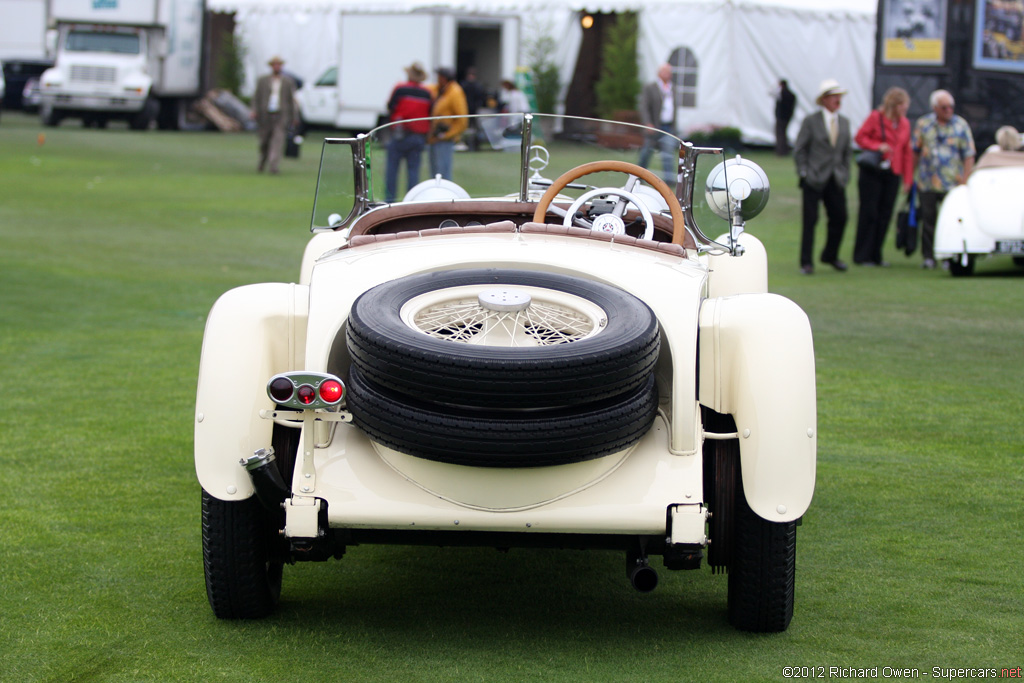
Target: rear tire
(958, 269)
(243, 553)
(242, 582)
(762, 571)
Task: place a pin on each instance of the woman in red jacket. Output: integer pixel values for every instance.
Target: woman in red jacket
(886, 130)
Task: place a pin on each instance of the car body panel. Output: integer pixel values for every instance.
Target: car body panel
(753, 346)
(252, 333)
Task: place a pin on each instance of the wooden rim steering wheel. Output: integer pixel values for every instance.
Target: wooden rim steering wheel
(678, 227)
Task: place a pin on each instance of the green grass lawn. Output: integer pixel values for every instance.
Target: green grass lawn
(114, 245)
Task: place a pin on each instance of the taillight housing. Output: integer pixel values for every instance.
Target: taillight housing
(305, 390)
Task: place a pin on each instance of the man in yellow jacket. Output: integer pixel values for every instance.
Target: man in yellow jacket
(450, 101)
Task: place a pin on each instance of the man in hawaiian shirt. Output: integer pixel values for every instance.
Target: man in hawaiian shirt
(944, 157)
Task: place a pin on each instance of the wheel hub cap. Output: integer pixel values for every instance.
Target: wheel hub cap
(504, 300)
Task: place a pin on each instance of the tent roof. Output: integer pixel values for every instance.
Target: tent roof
(865, 7)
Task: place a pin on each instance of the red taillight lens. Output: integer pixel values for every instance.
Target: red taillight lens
(306, 394)
(281, 389)
(331, 391)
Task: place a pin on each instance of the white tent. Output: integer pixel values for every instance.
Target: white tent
(740, 47)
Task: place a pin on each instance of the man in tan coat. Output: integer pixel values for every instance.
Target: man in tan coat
(275, 110)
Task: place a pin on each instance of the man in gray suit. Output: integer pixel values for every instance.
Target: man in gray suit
(658, 110)
(274, 109)
(822, 154)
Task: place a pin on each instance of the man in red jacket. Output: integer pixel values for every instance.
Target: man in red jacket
(409, 101)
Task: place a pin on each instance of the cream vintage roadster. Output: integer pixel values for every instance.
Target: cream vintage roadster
(555, 348)
(985, 216)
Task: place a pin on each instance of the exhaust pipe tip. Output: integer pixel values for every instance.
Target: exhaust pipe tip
(643, 578)
(639, 572)
(261, 458)
(266, 480)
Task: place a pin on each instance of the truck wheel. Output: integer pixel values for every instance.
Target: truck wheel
(480, 438)
(762, 571)
(494, 338)
(146, 115)
(242, 581)
(49, 116)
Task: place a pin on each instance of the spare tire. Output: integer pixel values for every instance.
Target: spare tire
(527, 438)
(502, 339)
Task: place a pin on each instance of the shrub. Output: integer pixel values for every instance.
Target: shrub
(619, 85)
(540, 57)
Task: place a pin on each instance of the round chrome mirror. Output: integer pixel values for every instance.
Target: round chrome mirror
(737, 183)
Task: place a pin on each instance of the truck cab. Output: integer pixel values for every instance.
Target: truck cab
(101, 72)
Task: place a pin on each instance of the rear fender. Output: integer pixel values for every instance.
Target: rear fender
(957, 230)
(757, 364)
(252, 333)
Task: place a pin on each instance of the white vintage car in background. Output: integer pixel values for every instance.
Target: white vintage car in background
(985, 216)
(546, 350)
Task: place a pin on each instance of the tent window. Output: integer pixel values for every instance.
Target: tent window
(684, 76)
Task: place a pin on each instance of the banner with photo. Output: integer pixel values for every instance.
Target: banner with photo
(914, 32)
(998, 43)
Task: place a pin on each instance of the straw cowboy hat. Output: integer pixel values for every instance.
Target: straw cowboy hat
(416, 72)
(275, 60)
(829, 86)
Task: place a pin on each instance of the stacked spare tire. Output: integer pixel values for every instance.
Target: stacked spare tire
(502, 368)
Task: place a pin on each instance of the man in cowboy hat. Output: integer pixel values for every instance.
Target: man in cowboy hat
(409, 101)
(274, 109)
(822, 154)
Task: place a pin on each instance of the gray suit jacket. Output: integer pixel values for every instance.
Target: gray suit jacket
(650, 105)
(816, 159)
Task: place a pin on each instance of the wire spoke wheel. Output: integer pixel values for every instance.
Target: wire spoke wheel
(510, 316)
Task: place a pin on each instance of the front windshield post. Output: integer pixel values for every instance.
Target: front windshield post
(361, 168)
(524, 154)
(687, 178)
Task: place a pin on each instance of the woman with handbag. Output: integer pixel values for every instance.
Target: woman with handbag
(886, 159)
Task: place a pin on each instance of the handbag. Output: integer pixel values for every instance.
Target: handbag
(872, 158)
(291, 145)
(906, 224)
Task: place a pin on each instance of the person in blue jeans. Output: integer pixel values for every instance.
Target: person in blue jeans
(409, 101)
(450, 103)
(658, 110)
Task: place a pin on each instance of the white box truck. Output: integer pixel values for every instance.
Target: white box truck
(139, 60)
(374, 48)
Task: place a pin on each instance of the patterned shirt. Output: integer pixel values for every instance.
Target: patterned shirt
(941, 149)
